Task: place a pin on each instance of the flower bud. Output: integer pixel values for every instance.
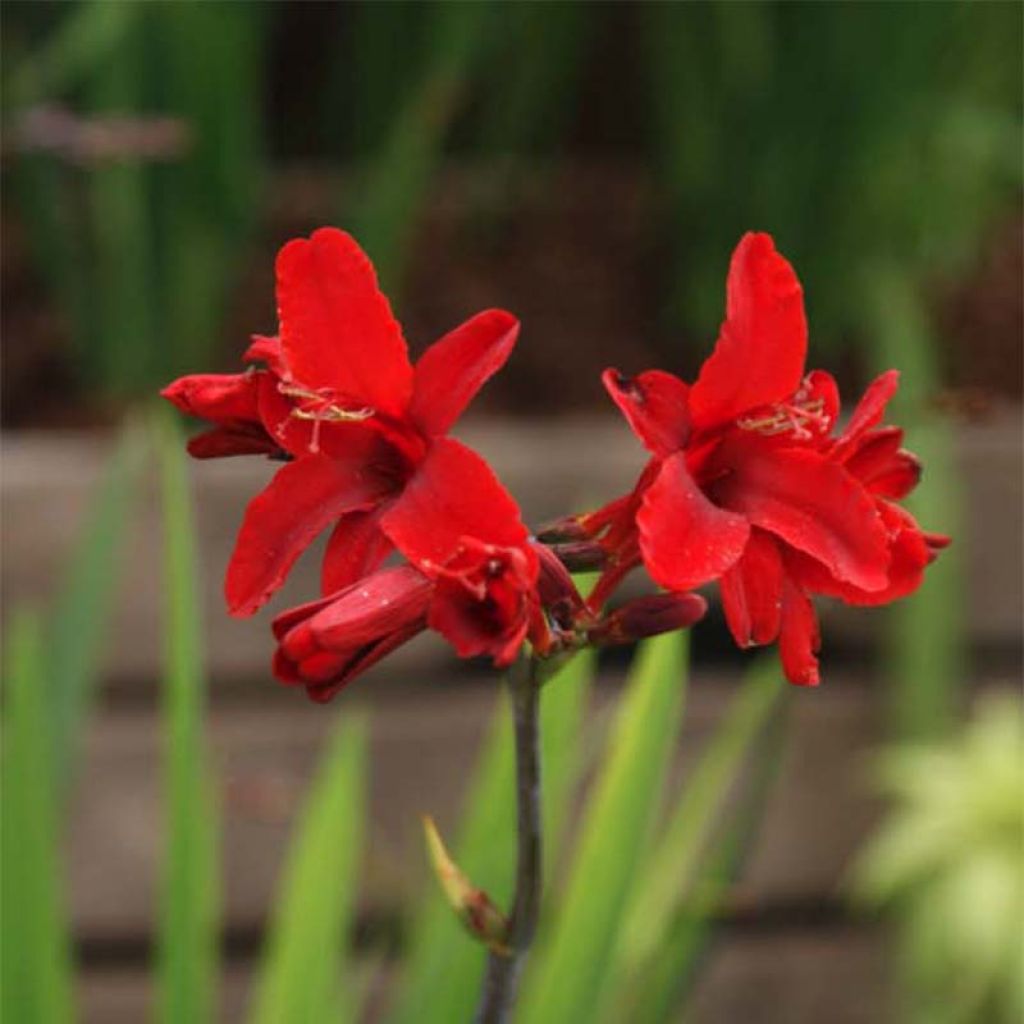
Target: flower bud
(473, 906)
(569, 528)
(648, 616)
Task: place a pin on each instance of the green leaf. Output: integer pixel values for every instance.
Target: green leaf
(571, 964)
(670, 869)
(682, 883)
(306, 974)
(925, 640)
(78, 625)
(35, 951)
(443, 966)
(399, 177)
(187, 940)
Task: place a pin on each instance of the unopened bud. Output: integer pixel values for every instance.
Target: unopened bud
(555, 586)
(581, 555)
(648, 616)
(473, 906)
(568, 528)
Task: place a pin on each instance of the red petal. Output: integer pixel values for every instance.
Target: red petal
(451, 372)
(222, 442)
(266, 350)
(812, 504)
(337, 330)
(799, 637)
(762, 346)
(884, 468)
(303, 498)
(384, 601)
(453, 494)
(752, 592)
(909, 556)
(463, 622)
(655, 405)
(685, 539)
(869, 412)
(356, 547)
(219, 397)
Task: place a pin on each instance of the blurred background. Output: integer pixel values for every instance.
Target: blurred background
(589, 167)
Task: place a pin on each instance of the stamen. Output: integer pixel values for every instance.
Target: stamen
(793, 416)
(318, 408)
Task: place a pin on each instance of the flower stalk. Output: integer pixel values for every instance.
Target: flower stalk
(504, 968)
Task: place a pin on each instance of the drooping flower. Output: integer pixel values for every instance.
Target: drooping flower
(339, 398)
(745, 485)
(325, 644)
(458, 525)
(472, 577)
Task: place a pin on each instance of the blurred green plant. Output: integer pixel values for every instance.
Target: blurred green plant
(138, 170)
(876, 141)
(187, 957)
(950, 861)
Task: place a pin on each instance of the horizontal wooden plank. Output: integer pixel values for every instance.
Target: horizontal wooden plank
(551, 466)
(783, 976)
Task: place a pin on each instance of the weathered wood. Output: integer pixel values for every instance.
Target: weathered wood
(552, 467)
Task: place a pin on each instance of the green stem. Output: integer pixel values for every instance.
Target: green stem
(503, 970)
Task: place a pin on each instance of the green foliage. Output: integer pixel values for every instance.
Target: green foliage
(667, 891)
(574, 956)
(136, 248)
(78, 625)
(948, 859)
(864, 136)
(35, 949)
(385, 217)
(307, 973)
(189, 918)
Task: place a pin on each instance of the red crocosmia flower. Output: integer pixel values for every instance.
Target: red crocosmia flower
(746, 486)
(457, 524)
(340, 399)
(325, 644)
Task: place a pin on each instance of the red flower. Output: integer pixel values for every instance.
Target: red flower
(473, 579)
(459, 526)
(746, 487)
(325, 644)
(339, 398)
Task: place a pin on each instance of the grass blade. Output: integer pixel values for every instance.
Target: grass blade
(682, 882)
(78, 626)
(304, 975)
(187, 953)
(35, 951)
(571, 965)
(402, 173)
(925, 650)
(669, 872)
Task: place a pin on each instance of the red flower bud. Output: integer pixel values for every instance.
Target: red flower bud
(648, 616)
(325, 644)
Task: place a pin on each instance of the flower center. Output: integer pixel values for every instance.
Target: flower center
(803, 411)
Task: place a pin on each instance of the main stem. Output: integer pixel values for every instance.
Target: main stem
(503, 971)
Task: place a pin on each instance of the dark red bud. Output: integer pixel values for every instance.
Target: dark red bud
(648, 616)
(581, 556)
(559, 530)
